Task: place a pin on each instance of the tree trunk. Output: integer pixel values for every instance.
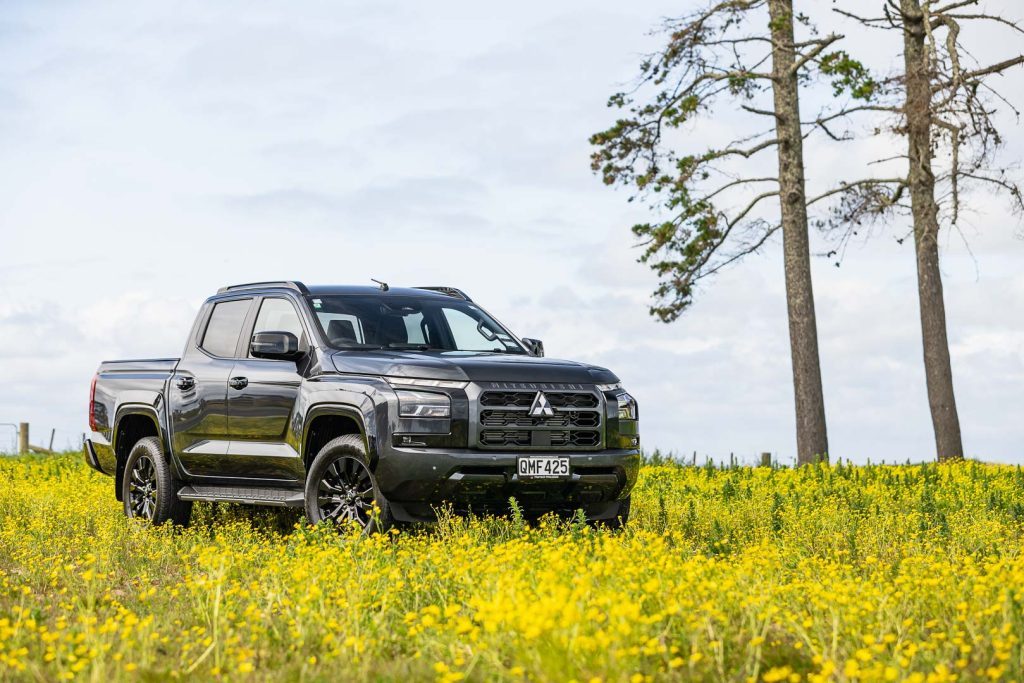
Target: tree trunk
(811, 436)
(937, 367)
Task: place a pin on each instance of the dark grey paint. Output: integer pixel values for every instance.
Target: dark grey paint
(245, 421)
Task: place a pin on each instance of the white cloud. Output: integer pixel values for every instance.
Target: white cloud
(149, 155)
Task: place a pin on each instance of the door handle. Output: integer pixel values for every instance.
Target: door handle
(185, 383)
(239, 382)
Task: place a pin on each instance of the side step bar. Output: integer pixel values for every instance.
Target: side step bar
(250, 495)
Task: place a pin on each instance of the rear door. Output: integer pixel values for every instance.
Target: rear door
(197, 394)
(261, 401)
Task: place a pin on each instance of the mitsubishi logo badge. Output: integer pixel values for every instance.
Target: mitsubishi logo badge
(541, 407)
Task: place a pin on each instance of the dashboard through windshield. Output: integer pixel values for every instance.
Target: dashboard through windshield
(352, 322)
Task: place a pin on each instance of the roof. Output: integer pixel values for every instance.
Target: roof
(336, 290)
(341, 290)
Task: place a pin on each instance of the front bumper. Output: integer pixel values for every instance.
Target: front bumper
(417, 480)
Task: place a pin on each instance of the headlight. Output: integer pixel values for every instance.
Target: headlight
(627, 407)
(423, 404)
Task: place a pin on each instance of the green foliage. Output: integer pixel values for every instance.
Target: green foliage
(721, 575)
(710, 62)
(713, 61)
(849, 76)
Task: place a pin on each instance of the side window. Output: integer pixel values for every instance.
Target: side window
(221, 335)
(278, 315)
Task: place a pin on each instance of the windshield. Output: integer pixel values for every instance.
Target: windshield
(362, 321)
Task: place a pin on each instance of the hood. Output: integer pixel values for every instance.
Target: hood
(470, 365)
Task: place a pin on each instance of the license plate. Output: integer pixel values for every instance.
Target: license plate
(543, 468)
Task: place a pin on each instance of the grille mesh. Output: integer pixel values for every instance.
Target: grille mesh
(575, 424)
(515, 418)
(508, 399)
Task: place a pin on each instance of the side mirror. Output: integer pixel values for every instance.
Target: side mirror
(275, 345)
(534, 346)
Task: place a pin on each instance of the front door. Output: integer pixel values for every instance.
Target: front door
(261, 402)
(198, 390)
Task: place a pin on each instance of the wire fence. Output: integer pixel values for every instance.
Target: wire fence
(8, 437)
(40, 439)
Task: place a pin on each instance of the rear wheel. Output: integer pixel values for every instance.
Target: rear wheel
(340, 488)
(149, 489)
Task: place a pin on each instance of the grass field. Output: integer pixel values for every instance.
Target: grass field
(826, 573)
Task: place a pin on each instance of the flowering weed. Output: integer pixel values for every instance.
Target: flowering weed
(822, 573)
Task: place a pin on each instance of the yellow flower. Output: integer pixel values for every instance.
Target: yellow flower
(775, 674)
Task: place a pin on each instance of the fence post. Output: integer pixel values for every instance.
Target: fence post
(23, 438)
(766, 460)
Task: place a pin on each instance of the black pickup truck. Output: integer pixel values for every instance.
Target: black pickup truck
(365, 405)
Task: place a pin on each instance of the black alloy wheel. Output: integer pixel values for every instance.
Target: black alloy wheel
(345, 492)
(340, 488)
(142, 489)
(149, 490)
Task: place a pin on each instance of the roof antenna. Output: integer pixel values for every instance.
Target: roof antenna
(383, 285)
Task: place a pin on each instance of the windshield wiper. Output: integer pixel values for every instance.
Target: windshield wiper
(413, 347)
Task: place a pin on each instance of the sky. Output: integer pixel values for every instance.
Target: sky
(153, 152)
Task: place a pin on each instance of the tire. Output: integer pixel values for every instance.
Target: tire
(621, 517)
(149, 489)
(340, 488)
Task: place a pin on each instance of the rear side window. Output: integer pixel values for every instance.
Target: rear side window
(221, 336)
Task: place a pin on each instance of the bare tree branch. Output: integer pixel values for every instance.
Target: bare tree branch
(749, 249)
(955, 132)
(1013, 189)
(987, 17)
(748, 208)
(760, 112)
(954, 5)
(802, 61)
(746, 153)
(846, 187)
(736, 183)
(853, 110)
(861, 19)
(971, 76)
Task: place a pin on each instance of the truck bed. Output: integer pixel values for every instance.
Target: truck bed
(120, 383)
(164, 365)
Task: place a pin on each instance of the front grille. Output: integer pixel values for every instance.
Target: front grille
(505, 421)
(566, 400)
(502, 437)
(515, 418)
(508, 399)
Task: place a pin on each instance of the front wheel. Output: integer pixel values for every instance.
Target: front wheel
(341, 490)
(148, 489)
(621, 517)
